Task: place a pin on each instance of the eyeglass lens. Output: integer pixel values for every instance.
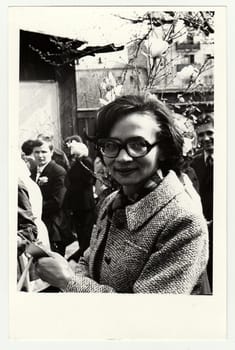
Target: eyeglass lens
(135, 148)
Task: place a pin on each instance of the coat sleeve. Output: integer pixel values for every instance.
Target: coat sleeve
(82, 283)
(86, 176)
(57, 193)
(179, 259)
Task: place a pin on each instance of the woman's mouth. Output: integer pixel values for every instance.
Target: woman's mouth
(125, 171)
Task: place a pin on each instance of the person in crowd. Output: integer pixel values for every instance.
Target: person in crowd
(58, 155)
(27, 154)
(50, 177)
(150, 236)
(30, 204)
(104, 183)
(79, 199)
(189, 136)
(203, 166)
(25, 221)
(30, 226)
(26, 232)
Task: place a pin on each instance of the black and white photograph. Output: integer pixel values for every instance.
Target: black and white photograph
(118, 171)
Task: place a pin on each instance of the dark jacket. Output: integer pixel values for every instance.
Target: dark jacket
(79, 182)
(205, 179)
(53, 192)
(60, 158)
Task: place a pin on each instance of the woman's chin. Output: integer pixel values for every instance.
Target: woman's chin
(125, 180)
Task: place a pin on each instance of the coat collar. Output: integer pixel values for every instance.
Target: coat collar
(142, 210)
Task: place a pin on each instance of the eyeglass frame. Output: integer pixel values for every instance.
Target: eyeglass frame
(123, 145)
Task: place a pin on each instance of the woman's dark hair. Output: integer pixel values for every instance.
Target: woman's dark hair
(170, 138)
(27, 147)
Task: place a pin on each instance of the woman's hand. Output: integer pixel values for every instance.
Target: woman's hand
(55, 270)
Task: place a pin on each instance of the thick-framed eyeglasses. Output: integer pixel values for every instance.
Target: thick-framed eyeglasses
(136, 147)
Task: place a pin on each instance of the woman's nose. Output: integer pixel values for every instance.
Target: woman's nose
(123, 156)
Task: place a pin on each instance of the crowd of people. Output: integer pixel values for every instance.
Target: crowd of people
(141, 211)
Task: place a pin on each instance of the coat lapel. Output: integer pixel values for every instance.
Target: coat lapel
(47, 169)
(200, 167)
(141, 211)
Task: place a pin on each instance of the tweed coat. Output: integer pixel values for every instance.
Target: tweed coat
(156, 245)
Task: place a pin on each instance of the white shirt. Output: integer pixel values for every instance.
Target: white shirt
(206, 155)
(40, 170)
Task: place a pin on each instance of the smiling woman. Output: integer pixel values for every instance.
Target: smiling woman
(150, 236)
(130, 168)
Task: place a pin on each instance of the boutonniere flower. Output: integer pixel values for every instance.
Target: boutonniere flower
(42, 180)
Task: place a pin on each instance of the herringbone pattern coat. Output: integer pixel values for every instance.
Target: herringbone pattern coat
(156, 245)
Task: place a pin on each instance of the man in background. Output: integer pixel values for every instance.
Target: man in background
(58, 156)
(50, 177)
(203, 166)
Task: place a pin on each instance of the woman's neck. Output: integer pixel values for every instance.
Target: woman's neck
(131, 191)
(135, 191)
